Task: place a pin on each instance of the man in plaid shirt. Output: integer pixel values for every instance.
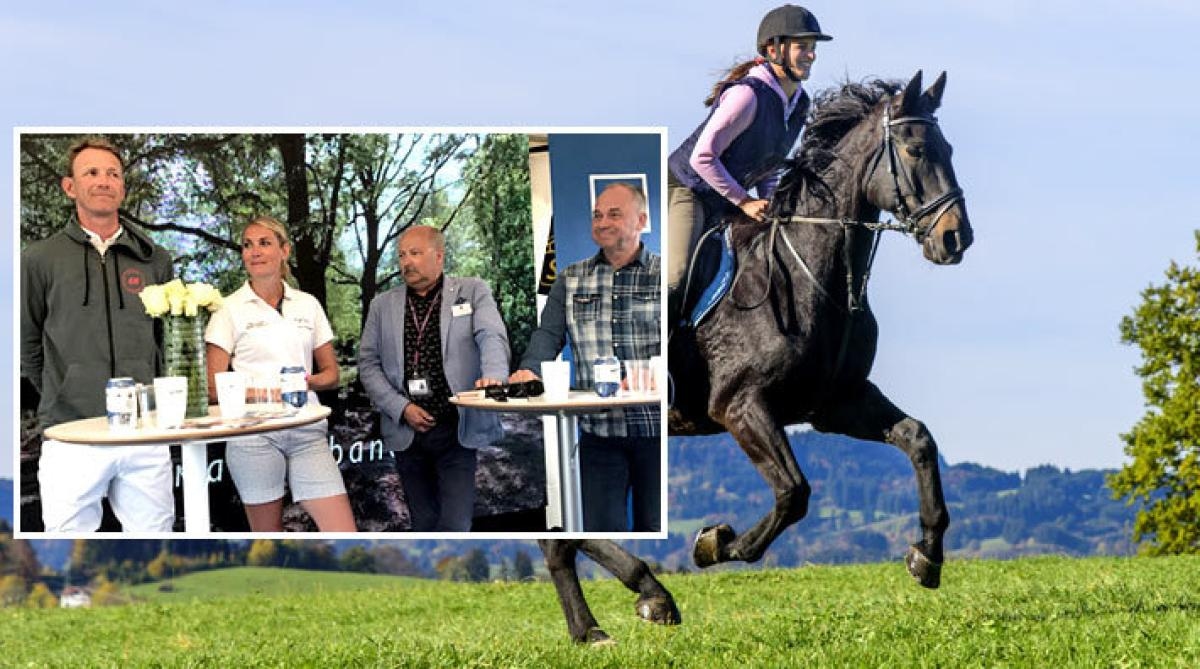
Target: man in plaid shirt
(609, 304)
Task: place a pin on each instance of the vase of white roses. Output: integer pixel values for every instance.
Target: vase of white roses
(184, 309)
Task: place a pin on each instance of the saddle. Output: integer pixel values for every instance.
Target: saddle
(709, 276)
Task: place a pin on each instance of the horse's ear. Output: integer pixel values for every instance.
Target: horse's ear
(911, 98)
(934, 92)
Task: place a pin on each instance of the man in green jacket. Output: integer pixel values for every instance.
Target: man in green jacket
(82, 324)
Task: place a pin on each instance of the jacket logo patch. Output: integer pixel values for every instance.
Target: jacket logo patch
(133, 280)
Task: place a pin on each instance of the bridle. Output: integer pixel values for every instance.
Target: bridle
(910, 221)
(905, 220)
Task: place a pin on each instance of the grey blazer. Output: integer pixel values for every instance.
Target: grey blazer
(474, 346)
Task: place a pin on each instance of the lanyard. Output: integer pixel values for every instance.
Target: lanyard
(420, 326)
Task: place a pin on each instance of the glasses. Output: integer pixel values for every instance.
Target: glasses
(503, 393)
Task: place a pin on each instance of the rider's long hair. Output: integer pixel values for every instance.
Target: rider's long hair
(734, 75)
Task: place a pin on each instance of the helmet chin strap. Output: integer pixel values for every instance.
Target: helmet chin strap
(778, 59)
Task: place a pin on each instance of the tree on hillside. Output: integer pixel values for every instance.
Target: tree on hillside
(107, 593)
(522, 566)
(1164, 475)
(40, 597)
(307, 554)
(12, 590)
(263, 553)
(25, 560)
(390, 559)
(357, 558)
(476, 566)
(160, 566)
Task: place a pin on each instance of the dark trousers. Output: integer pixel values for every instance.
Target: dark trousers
(610, 468)
(438, 476)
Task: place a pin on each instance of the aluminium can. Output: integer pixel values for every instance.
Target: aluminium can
(120, 401)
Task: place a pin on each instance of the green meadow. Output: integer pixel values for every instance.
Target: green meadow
(1039, 612)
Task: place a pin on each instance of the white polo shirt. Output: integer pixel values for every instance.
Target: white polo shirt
(261, 340)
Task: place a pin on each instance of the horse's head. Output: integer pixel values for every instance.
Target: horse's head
(912, 175)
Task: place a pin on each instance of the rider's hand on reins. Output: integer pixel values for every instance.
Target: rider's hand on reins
(754, 208)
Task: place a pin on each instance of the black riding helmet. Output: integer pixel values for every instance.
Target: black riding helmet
(788, 21)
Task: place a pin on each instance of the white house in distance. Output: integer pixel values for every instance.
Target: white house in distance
(73, 597)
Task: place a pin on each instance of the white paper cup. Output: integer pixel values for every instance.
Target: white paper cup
(556, 377)
(170, 399)
(231, 394)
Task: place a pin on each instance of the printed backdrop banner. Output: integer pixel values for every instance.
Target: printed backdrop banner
(580, 161)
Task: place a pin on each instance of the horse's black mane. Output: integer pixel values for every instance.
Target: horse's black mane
(835, 111)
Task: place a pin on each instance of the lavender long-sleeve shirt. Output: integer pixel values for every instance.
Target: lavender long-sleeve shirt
(734, 113)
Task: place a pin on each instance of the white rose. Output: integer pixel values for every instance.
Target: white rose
(175, 296)
(154, 299)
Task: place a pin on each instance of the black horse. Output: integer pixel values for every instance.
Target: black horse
(796, 339)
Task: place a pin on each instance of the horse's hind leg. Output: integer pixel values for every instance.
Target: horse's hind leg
(560, 561)
(654, 602)
(763, 440)
(873, 417)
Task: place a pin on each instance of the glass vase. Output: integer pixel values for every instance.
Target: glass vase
(184, 355)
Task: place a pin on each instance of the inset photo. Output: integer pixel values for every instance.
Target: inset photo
(405, 332)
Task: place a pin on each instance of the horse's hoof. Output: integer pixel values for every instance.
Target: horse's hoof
(710, 542)
(658, 610)
(598, 637)
(927, 572)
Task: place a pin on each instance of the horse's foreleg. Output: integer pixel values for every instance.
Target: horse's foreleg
(873, 417)
(654, 602)
(763, 440)
(560, 561)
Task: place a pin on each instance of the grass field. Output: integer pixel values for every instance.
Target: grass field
(1043, 612)
(260, 581)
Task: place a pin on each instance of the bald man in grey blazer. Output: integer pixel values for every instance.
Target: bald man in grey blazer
(423, 342)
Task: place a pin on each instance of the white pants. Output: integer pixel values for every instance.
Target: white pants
(136, 479)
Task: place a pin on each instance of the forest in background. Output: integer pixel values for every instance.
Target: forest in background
(346, 199)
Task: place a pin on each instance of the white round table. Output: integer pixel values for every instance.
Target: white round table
(193, 437)
(569, 498)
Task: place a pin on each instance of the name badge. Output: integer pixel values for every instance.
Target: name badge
(463, 309)
(419, 388)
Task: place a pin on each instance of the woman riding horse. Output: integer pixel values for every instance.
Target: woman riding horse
(758, 109)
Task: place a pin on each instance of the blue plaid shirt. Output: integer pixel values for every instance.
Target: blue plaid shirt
(606, 312)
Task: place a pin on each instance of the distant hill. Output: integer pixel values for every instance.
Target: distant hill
(6, 500)
(863, 508)
(864, 504)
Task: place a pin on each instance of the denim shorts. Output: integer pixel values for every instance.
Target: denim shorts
(260, 464)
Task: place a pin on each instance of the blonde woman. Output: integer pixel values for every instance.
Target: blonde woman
(263, 326)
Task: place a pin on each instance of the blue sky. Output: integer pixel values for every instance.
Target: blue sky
(1076, 126)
